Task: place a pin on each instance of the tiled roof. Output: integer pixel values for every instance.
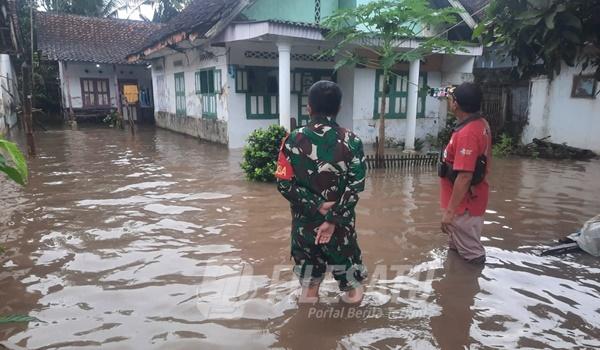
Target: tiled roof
(473, 6)
(199, 16)
(90, 39)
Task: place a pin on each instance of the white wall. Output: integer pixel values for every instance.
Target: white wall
(239, 126)
(75, 71)
(553, 112)
(8, 87)
(367, 128)
(193, 60)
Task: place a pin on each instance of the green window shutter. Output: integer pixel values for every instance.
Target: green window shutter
(241, 80)
(218, 83)
(180, 103)
(397, 99)
(197, 82)
(207, 81)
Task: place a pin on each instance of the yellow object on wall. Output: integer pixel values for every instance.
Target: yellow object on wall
(131, 93)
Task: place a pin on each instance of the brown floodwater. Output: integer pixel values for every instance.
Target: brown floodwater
(156, 241)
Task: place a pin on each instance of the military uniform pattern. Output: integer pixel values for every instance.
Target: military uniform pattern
(329, 165)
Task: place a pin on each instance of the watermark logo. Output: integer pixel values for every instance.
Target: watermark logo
(228, 288)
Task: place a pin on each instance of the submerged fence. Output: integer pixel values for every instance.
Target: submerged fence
(401, 161)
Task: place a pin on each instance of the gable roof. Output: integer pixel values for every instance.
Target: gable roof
(198, 20)
(63, 37)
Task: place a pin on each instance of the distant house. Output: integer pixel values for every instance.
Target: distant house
(92, 57)
(566, 108)
(10, 47)
(223, 68)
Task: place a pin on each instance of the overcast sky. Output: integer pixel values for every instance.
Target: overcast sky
(146, 11)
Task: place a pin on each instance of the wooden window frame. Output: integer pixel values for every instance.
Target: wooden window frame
(577, 80)
(95, 93)
(208, 94)
(180, 109)
(270, 101)
(394, 94)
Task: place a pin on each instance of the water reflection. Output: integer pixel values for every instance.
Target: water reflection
(455, 293)
(157, 241)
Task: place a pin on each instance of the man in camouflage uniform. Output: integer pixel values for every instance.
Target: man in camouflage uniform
(320, 171)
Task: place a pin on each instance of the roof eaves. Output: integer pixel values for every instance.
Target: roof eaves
(193, 34)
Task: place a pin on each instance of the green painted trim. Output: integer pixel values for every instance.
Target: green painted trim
(197, 78)
(397, 94)
(180, 94)
(238, 88)
(268, 114)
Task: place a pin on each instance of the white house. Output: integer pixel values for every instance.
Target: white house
(566, 108)
(9, 48)
(94, 72)
(223, 68)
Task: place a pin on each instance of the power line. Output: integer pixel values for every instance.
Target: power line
(437, 36)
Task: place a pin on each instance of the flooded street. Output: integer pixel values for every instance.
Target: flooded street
(158, 242)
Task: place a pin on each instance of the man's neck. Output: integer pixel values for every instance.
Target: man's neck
(322, 118)
(462, 116)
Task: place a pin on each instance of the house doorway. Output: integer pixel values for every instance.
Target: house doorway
(126, 86)
(303, 80)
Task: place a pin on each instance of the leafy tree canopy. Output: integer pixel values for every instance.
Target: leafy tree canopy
(544, 34)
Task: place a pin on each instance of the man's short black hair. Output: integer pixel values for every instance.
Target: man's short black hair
(325, 98)
(468, 96)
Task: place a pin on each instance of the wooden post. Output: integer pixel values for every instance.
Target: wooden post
(68, 88)
(27, 120)
(118, 98)
(130, 118)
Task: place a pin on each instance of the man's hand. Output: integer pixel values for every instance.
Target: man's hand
(324, 233)
(325, 207)
(447, 219)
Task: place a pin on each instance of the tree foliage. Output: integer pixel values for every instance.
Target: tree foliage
(12, 162)
(370, 35)
(91, 8)
(544, 34)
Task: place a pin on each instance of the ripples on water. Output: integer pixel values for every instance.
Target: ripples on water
(157, 241)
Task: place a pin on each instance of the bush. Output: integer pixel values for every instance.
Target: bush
(113, 119)
(504, 147)
(443, 137)
(260, 153)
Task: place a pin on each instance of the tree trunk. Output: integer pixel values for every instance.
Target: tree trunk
(381, 144)
(27, 118)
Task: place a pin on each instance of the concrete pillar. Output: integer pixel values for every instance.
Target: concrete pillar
(284, 84)
(411, 108)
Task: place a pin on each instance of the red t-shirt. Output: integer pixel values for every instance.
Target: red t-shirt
(466, 144)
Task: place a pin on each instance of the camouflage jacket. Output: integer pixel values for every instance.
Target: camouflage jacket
(327, 163)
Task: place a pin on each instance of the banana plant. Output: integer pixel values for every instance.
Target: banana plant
(12, 162)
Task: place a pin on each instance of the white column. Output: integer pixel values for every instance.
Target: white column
(411, 108)
(284, 84)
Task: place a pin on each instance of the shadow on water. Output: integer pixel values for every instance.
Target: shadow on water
(157, 241)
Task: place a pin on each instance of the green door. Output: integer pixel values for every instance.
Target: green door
(303, 80)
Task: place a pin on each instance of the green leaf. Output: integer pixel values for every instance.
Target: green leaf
(531, 14)
(478, 30)
(18, 173)
(549, 19)
(540, 4)
(18, 319)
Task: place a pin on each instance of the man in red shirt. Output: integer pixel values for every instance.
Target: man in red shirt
(464, 188)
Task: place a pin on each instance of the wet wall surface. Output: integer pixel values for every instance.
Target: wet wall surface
(156, 241)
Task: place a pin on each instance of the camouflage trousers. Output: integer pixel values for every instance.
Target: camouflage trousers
(341, 255)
